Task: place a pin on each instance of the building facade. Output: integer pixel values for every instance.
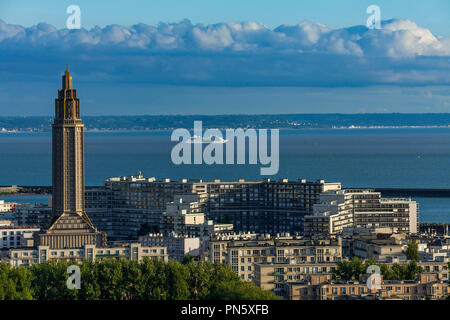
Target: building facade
(17, 236)
(131, 206)
(70, 225)
(129, 251)
(360, 208)
(425, 286)
(244, 252)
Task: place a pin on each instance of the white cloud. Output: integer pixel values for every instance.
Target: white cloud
(238, 53)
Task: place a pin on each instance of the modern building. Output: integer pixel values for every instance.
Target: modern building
(360, 208)
(244, 252)
(304, 280)
(131, 206)
(128, 251)
(183, 216)
(36, 214)
(6, 206)
(273, 276)
(178, 245)
(17, 236)
(185, 230)
(425, 286)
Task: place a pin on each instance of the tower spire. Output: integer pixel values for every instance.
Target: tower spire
(67, 79)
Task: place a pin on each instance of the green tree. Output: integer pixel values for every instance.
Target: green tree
(348, 270)
(49, 281)
(114, 279)
(412, 251)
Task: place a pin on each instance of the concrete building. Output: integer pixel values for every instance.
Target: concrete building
(70, 226)
(17, 236)
(426, 285)
(360, 208)
(185, 230)
(130, 206)
(6, 206)
(178, 246)
(308, 277)
(273, 276)
(71, 234)
(37, 214)
(129, 251)
(243, 252)
(183, 216)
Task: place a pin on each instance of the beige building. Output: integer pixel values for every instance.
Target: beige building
(274, 276)
(70, 226)
(244, 251)
(360, 208)
(426, 285)
(129, 251)
(178, 246)
(71, 235)
(183, 216)
(306, 277)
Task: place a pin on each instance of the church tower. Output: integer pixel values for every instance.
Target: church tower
(71, 227)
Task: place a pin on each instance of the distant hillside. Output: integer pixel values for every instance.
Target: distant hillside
(293, 121)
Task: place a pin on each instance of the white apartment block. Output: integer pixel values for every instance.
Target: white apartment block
(361, 208)
(129, 251)
(6, 206)
(17, 236)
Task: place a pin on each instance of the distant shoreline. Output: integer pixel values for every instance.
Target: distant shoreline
(224, 128)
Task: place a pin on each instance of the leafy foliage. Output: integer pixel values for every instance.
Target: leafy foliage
(113, 279)
(352, 270)
(412, 251)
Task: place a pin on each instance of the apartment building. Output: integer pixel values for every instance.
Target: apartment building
(274, 276)
(17, 236)
(426, 285)
(306, 279)
(360, 208)
(38, 214)
(183, 216)
(178, 246)
(6, 206)
(242, 253)
(127, 206)
(129, 251)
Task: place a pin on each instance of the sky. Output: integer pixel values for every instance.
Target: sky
(226, 57)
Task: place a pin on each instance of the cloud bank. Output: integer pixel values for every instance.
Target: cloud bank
(231, 54)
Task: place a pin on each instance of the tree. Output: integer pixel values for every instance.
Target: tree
(412, 251)
(348, 270)
(113, 279)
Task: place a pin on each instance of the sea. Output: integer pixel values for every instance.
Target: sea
(370, 158)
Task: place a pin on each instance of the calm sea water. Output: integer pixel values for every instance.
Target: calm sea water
(356, 157)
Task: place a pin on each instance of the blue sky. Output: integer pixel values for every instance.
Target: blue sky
(434, 14)
(218, 57)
